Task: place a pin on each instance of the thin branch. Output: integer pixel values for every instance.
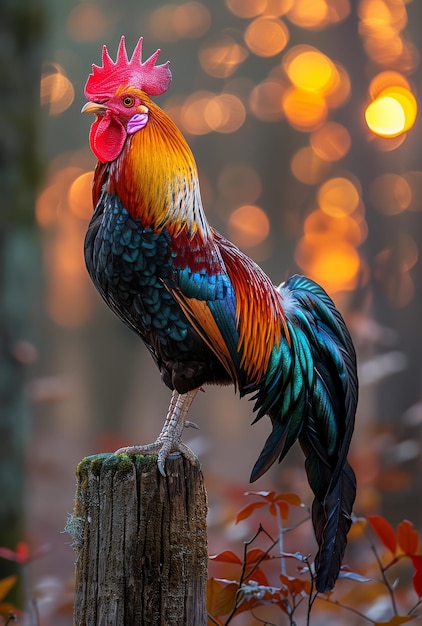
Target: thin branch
(385, 579)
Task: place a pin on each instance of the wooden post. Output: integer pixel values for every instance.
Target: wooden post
(140, 542)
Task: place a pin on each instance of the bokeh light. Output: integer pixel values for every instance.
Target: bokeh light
(316, 14)
(392, 112)
(248, 226)
(309, 69)
(171, 22)
(338, 197)
(308, 167)
(331, 141)
(334, 265)
(265, 101)
(222, 56)
(266, 36)
(56, 90)
(305, 110)
(87, 22)
(390, 193)
(79, 196)
(225, 113)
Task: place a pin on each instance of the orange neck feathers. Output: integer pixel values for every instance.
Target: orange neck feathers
(156, 178)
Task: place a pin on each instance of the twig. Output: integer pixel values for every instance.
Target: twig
(385, 579)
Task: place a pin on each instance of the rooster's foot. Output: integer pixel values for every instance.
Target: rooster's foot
(170, 438)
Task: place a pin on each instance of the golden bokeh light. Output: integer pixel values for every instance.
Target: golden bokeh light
(239, 183)
(56, 90)
(248, 226)
(224, 113)
(319, 227)
(222, 57)
(265, 101)
(171, 22)
(62, 210)
(87, 22)
(305, 110)
(309, 69)
(385, 116)
(390, 194)
(204, 112)
(192, 113)
(67, 300)
(334, 265)
(331, 142)
(79, 197)
(308, 167)
(338, 197)
(393, 108)
(266, 36)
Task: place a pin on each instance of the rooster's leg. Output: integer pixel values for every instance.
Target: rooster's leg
(170, 438)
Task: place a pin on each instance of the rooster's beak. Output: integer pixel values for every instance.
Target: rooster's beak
(94, 107)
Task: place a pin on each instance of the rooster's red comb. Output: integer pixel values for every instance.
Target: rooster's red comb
(151, 78)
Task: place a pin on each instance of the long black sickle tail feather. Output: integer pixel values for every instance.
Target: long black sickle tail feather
(310, 394)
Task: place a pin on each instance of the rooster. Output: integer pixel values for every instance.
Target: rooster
(206, 312)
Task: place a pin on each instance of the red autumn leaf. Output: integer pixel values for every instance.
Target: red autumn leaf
(417, 576)
(221, 596)
(284, 509)
(296, 585)
(248, 510)
(255, 555)
(384, 531)
(408, 538)
(291, 498)
(227, 556)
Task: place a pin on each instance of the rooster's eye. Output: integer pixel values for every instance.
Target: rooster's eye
(128, 101)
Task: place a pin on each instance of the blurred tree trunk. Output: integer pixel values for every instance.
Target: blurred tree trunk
(21, 27)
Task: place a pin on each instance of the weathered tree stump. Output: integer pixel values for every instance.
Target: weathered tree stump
(140, 542)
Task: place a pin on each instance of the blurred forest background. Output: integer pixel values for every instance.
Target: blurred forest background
(303, 119)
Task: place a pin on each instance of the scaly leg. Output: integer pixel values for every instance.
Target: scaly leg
(170, 438)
